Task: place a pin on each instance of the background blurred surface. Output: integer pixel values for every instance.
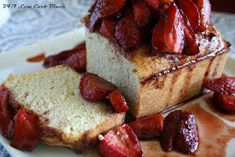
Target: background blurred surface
(29, 25)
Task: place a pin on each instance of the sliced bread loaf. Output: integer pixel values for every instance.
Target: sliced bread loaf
(154, 83)
(65, 118)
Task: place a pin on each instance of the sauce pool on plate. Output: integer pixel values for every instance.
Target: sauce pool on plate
(38, 58)
(213, 132)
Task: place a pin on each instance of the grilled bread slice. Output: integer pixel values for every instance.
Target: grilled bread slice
(154, 83)
(65, 118)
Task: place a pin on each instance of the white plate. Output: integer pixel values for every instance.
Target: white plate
(15, 62)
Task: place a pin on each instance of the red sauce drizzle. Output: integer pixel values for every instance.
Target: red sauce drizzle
(38, 58)
(229, 117)
(214, 136)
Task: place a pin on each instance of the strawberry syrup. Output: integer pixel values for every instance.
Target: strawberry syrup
(214, 134)
(38, 58)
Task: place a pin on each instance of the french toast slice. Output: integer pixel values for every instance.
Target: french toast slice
(154, 83)
(65, 118)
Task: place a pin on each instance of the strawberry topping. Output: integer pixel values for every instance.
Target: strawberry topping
(168, 35)
(173, 25)
(153, 4)
(76, 58)
(142, 14)
(26, 134)
(180, 132)
(225, 102)
(223, 85)
(120, 142)
(191, 47)
(191, 12)
(224, 92)
(108, 27)
(148, 127)
(6, 120)
(118, 102)
(204, 8)
(94, 88)
(105, 8)
(127, 33)
(77, 61)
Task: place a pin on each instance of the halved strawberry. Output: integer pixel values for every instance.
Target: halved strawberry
(168, 35)
(127, 33)
(118, 102)
(155, 4)
(191, 47)
(6, 116)
(204, 8)
(94, 88)
(105, 8)
(92, 8)
(120, 142)
(148, 127)
(77, 61)
(108, 27)
(225, 102)
(191, 12)
(26, 134)
(180, 132)
(223, 85)
(141, 12)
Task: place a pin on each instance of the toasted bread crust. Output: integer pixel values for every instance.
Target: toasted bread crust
(178, 86)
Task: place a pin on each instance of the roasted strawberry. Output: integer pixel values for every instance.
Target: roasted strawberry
(51, 61)
(6, 120)
(170, 130)
(204, 8)
(191, 47)
(105, 8)
(168, 35)
(94, 88)
(26, 134)
(191, 12)
(127, 33)
(180, 132)
(142, 14)
(155, 4)
(148, 127)
(225, 102)
(118, 102)
(223, 85)
(187, 139)
(77, 61)
(92, 8)
(120, 142)
(108, 27)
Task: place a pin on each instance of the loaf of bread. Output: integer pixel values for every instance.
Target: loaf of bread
(65, 118)
(154, 83)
